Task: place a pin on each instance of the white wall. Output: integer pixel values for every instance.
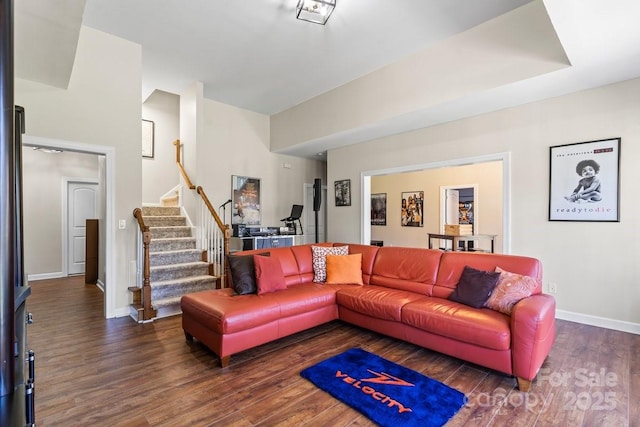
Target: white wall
(43, 175)
(160, 174)
(593, 264)
(236, 142)
(488, 177)
(101, 106)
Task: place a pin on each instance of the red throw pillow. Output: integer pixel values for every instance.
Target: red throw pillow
(269, 275)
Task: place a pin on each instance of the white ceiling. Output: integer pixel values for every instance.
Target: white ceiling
(255, 55)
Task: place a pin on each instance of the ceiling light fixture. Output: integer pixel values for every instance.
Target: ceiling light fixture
(316, 11)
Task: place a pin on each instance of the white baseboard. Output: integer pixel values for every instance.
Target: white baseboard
(45, 276)
(603, 322)
(100, 285)
(121, 312)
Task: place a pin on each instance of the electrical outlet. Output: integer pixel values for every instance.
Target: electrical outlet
(553, 287)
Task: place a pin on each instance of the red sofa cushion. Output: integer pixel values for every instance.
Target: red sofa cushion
(304, 298)
(376, 301)
(226, 313)
(482, 327)
(409, 269)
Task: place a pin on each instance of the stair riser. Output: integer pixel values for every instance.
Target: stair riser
(161, 211)
(178, 273)
(171, 291)
(164, 221)
(162, 258)
(170, 232)
(172, 245)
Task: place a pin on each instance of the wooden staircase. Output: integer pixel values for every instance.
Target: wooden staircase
(176, 266)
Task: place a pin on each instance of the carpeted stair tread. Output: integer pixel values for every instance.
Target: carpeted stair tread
(175, 256)
(183, 281)
(176, 271)
(172, 231)
(161, 211)
(171, 244)
(178, 287)
(160, 221)
(180, 266)
(165, 302)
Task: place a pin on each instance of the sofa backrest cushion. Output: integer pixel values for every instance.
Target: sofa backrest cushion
(304, 258)
(409, 269)
(368, 257)
(452, 264)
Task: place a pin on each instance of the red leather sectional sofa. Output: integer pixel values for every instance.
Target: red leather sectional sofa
(404, 296)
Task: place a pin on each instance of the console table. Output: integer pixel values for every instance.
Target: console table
(464, 239)
(263, 242)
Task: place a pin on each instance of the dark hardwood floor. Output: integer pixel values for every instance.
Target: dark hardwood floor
(96, 372)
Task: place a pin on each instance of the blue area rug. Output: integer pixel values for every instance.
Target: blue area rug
(387, 393)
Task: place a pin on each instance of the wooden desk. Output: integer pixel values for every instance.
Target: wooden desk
(464, 239)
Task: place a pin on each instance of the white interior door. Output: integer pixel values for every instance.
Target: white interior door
(309, 219)
(82, 204)
(452, 201)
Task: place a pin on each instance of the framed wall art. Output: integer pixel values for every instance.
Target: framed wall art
(147, 138)
(584, 181)
(379, 209)
(245, 196)
(412, 209)
(343, 192)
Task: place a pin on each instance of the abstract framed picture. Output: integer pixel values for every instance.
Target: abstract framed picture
(584, 181)
(245, 194)
(412, 209)
(379, 209)
(343, 192)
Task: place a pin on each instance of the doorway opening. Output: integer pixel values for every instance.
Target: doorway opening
(108, 195)
(505, 176)
(458, 205)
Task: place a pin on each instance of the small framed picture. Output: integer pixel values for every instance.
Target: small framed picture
(584, 181)
(412, 209)
(245, 194)
(147, 138)
(379, 209)
(343, 192)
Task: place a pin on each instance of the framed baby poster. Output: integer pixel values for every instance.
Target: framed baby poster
(584, 182)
